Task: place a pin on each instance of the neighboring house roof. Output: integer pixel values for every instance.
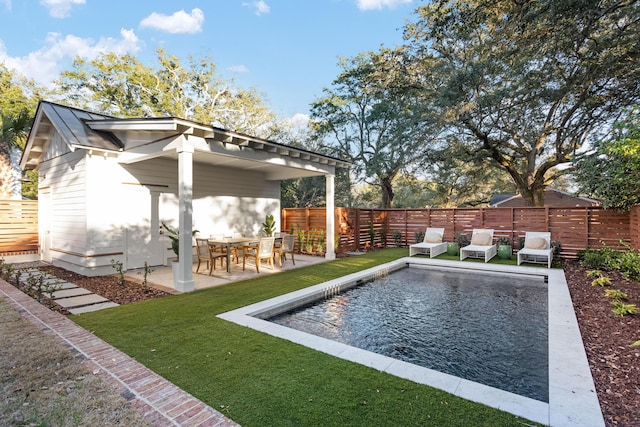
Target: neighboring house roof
(553, 197)
(496, 199)
(82, 129)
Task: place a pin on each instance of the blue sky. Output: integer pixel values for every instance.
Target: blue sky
(286, 49)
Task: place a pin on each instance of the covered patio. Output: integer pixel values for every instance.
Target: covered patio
(162, 277)
(106, 185)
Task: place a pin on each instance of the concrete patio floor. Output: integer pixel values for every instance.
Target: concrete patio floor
(162, 277)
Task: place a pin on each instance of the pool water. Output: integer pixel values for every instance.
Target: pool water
(487, 328)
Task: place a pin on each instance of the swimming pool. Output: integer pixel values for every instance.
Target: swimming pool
(488, 328)
(572, 399)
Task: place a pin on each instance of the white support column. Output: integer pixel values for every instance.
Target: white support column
(331, 228)
(185, 151)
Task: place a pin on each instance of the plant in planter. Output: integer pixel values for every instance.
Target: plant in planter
(269, 225)
(321, 239)
(397, 238)
(174, 235)
(462, 240)
(372, 235)
(504, 248)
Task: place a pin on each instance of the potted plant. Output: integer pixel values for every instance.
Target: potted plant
(269, 225)
(397, 238)
(504, 248)
(174, 235)
(462, 240)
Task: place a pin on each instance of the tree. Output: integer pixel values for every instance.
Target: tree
(611, 171)
(459, 178)
(381, 131)
(122, 86)
(18, 98)
(527, 83)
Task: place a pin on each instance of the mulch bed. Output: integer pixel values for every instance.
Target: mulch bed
(615, 365)
(108, 286)
(607, 337)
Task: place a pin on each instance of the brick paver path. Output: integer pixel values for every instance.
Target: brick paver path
(161, 402)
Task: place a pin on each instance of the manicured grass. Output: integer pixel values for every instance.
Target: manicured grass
(260, 380)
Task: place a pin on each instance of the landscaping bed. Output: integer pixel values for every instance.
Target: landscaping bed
(607, 337)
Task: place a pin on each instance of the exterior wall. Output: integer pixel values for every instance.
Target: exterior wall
(64, 178)
(99, 207)
(227, 201)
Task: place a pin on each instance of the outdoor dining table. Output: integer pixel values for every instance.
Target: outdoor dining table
(230, 242)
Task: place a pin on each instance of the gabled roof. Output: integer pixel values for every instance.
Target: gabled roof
(69, 123)
(93, 131)
(498, 199)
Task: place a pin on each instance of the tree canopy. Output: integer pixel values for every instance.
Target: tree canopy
(527, 83)
(122, 86)
(611, 172)
(380, 130)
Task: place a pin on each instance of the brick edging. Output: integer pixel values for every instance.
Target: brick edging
(158, 400)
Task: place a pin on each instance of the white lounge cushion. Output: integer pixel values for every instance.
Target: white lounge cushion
(536, 243)
(433, 237)
(481, 239)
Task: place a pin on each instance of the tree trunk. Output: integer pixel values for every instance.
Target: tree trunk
(387, 192)
(534, 196)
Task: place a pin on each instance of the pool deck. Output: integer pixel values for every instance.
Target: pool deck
(573, 400)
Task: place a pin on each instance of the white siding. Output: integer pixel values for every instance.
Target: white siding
(65, 178)
(232, 200)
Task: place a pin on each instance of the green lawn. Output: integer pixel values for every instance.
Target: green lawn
(260, 380)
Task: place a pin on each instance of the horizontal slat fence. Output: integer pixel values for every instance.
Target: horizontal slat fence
(575, 227)
(18, 226)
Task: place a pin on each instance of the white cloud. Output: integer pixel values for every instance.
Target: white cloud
(239, 69)
(380, 4)
(45, 64)
(298, 121)
(60, 8)
(259, 7)
(7, 3)
(179, 22)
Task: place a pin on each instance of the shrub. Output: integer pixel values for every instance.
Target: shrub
(615, 294)
(397, 237)
(623, 309)
(594, 274)
(628, 262)
(597, 258)
(601, 281)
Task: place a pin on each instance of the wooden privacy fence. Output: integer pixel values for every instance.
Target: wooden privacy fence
(18, 226)
(575, 228)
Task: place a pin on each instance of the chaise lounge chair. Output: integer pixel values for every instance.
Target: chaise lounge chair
(537, 248)
(432, 243)
(481, 246)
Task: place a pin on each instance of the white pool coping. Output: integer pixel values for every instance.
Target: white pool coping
(572, 397)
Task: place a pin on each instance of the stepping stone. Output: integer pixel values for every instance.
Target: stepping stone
(93, 307)
(72, 292)
(67, 285)
(80, 300)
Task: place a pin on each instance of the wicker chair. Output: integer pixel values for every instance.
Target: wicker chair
(263, 251)
(286, 247)
(208, 254)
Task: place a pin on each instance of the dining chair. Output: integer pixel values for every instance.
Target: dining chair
(206, 253)
(286, 247)
(263, 251)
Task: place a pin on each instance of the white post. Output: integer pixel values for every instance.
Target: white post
(331, 229)
(185, 281)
